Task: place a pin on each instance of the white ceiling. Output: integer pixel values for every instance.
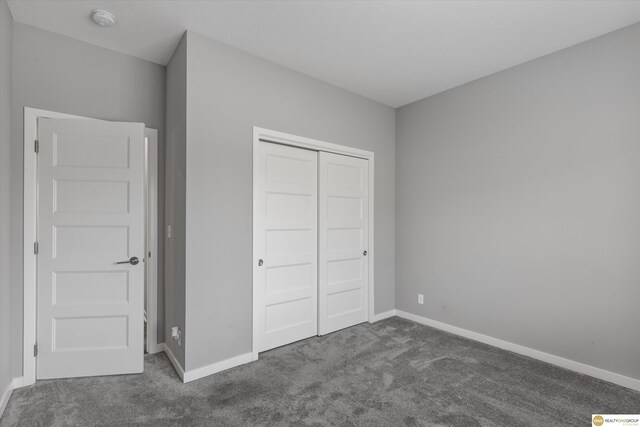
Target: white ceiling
(394, 52)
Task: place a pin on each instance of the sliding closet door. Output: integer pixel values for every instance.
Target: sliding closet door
(343, 239)
(285, 245)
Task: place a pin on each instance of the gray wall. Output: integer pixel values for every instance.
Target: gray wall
(6, 29)
(518, 204)
(229, 92)
(175, 198)
(61, 74)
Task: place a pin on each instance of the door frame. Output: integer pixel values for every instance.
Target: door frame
(30, 215)
(151, 240)
(267, 135)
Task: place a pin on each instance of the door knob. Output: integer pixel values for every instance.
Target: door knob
(133, 261)
(260, 262)
(364, 253)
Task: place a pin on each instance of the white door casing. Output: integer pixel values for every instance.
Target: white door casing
(343, 242)
(152, 260)
(90, 216)
(285, 240)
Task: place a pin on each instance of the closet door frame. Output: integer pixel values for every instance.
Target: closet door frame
(266, 135)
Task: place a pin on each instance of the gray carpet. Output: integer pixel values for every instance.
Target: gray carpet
(391, 373)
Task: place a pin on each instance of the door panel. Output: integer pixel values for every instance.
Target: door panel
(343, 239)
(285, 238)
(84, 196)
(90, 216)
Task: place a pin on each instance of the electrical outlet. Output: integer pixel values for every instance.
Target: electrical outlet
(420, 299)
(169, 231)
(176, 334)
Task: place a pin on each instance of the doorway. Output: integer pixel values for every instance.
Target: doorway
(312, 238)
(100, 181)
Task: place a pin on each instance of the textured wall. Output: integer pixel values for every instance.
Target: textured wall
(518, 198)
(229, 92)
(175, 195)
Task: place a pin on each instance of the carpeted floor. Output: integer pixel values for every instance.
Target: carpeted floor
(391, 373)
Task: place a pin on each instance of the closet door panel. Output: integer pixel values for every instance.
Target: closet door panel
(285, 245)
(343, 240)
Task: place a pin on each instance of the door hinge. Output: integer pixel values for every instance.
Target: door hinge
(35, 350)
(36, 146)
(35, 248)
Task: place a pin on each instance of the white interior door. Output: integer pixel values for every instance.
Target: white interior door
(285, 245)
(90, 216)
(343, 239)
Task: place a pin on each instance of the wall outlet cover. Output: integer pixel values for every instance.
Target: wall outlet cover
(176, 334)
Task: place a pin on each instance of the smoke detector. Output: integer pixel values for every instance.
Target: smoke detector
(102, 17)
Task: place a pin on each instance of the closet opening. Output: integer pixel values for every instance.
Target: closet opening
(313, 249)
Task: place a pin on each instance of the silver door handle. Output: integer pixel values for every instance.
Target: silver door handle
(133, 261)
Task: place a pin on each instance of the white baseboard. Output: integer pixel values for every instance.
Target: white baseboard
(19, 382)
(156, 348)
(205, 371)
(176, 365)
(572, 365)
(194, 374)
(382, 316)
(6, 395)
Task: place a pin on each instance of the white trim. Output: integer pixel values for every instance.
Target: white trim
(261, 134)
(18, 382)
(174, 361)
(381, 316)
(158, 349)
(30, 127)
(308, 143)
(214, 368)
(194, 374)
(151, 244)
(6, 395)
(571, 365)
